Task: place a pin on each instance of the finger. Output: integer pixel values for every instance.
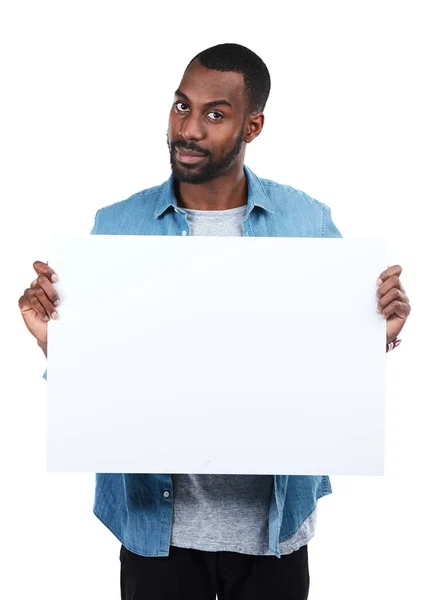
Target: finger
(38, 308)
(42, 268)
(40, 294)
(51, 293)
(392, 282)
(391, 296)
(30, 301)
(24, 301)
(401, 309)
(389, 272)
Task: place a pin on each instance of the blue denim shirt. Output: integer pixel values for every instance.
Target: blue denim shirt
(136, 507)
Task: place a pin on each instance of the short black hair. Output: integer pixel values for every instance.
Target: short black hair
(239, 59)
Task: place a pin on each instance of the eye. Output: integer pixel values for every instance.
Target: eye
(215, 116)
(182, 107)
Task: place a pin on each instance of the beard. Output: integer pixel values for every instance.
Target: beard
(210, 169)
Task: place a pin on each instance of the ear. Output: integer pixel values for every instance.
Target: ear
(253, 126)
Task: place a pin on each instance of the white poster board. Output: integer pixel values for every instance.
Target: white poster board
(217, 355)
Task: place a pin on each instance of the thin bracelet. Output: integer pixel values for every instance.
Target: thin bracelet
(396, 342)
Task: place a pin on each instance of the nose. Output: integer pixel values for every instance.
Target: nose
(192, 128)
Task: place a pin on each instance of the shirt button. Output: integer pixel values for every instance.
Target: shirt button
(184, 232)
(166, 494)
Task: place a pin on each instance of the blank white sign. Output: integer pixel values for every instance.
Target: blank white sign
(217, 355)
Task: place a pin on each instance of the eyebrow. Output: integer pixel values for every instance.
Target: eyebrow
(207, 104)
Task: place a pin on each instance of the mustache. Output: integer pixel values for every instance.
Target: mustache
(189, 146)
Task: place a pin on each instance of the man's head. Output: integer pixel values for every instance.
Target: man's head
(218, 108)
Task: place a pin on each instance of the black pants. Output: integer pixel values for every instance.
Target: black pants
(196, 575)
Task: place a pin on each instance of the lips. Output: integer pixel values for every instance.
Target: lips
(189, 156)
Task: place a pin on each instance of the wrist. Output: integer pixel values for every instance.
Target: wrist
(43, 346)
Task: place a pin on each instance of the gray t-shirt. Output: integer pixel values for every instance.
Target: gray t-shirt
(227, 512)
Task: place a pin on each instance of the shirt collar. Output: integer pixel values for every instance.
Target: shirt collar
(256, 195)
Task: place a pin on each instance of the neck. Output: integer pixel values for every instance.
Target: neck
(221, 193)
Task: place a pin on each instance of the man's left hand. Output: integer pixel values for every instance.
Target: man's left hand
(392, 301)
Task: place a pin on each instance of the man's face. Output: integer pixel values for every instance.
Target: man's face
(206, 124)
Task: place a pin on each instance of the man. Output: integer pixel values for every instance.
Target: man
(195, 536)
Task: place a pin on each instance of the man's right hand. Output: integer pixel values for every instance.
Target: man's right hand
(38, 303)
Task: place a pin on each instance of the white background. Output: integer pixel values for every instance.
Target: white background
(86, 89)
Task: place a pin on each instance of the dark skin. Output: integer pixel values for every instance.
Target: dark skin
(392, 301)
(198, 120)
(200, 115)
